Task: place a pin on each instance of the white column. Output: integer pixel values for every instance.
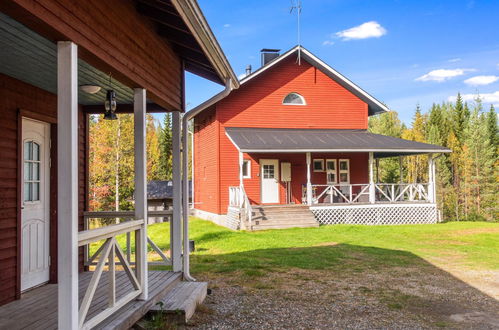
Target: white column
(192, 165)
(175, 227)
(309, 183)
(431, 179)
(241, 181)
(185, 201)
(372, 197)
(140, 167)
(67, 184)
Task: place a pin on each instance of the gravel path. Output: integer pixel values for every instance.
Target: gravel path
(393, 298)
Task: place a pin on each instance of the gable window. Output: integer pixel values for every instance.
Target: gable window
(294, 99)
(344, 169)
(246, 169)
(318, 165)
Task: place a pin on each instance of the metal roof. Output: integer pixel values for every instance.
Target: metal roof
(325, 140)
(162, 189)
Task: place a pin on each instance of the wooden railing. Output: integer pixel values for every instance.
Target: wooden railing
(107, 255)
(238, 198)
(360, 193)
(89, 260)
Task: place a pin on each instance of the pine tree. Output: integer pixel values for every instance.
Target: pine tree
(165, 144)
(492, 129)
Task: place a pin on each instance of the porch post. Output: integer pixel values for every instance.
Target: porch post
(241, 181)
(309, 183)
(175, 227)
(371, 179)
(140, 168)
(431, 179)
(67, 184)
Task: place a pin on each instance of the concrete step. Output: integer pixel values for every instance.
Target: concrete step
(180, 303)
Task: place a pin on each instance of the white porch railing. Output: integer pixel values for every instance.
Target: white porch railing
(89, 260)
(360, 193)
(238, 198)
(108, 252)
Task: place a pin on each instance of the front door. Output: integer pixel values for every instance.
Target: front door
(269, 173)
(35, 215)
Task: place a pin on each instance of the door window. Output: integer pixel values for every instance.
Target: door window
(331, 171)
(31, 171)
(344, 167)
(268, 172)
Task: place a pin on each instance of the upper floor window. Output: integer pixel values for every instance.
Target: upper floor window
(294, 99)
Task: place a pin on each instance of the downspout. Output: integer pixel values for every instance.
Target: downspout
(185, 172)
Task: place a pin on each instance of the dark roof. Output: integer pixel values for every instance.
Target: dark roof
(159, 189)
(322, 140)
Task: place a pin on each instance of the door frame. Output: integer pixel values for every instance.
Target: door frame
(277, 172)
(52, 121)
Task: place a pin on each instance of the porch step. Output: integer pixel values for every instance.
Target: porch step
(278, 217)
(180, 303)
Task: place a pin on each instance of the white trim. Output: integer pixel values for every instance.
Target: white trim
(322, 164)
(342, 150)
(381, 205)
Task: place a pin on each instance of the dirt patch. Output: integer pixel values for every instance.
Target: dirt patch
(473, 231)
(393, 297)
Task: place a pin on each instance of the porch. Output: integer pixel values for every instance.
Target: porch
(37, 308)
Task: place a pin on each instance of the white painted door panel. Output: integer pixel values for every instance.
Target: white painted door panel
(269, 174)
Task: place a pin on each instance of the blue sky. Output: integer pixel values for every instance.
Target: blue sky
(401, 52)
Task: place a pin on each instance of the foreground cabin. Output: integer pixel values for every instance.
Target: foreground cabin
(290, 148)
(61, 60)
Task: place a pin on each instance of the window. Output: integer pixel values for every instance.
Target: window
(268, 172)
(344, 169)
(31, 171)
(294, 99)
(331, 171)
(246, 169)
(318, 165)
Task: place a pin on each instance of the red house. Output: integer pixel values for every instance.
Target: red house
(290, 147)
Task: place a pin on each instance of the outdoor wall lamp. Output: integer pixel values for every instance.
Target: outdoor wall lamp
(110, 103)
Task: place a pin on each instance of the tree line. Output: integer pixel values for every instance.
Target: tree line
(468, 178)
(111, 159)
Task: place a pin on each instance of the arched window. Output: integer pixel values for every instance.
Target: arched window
(294, 99)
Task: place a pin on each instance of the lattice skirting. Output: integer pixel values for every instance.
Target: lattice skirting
(391, 214)
(233, 219)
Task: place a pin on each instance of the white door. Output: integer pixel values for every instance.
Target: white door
(269, 173)
(35, 211)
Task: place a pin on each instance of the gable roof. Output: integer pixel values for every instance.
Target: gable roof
(287, 140)
(374, 105)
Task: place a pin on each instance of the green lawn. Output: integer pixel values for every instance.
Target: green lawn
(473, 245)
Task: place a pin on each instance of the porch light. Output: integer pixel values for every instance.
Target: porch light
(110, 105)
(90, 89)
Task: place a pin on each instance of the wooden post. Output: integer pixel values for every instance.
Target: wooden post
(309, 183)
(67, 184)
(175, 227)
(372, 197)
(140, 164)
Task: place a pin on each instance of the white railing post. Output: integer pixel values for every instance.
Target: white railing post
(309, 183)
(241, 182)
(372, 196)
(175, 228)
(67, 184)
(140, 164)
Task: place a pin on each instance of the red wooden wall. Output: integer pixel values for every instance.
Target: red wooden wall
(258, 103)
(41, 105)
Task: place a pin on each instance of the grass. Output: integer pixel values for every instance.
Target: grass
(220, 250)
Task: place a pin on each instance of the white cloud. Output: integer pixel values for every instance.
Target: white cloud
(327, 43)
(442, 74)
(491, 98)
(226, 25)
(481, 80)
(454, 60)
(366, 30)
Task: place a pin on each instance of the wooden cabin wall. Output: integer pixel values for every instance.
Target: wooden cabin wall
(16, 99)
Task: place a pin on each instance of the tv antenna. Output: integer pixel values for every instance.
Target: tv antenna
(296, 6)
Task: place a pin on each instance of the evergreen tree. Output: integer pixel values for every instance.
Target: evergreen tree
(492, 129)
(165, 145)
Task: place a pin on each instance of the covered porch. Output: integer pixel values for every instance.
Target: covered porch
(333, 172)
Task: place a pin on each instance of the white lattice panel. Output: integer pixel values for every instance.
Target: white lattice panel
(376, 214)
(233, 219)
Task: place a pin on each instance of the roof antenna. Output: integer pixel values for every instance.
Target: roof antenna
(296, 5)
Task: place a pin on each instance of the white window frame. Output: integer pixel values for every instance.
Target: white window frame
(322, 164)
(335, 171)
(347, 171)
(248, 175)
(298, 104)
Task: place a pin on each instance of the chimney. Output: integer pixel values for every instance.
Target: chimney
(268, 55)
(248, 70)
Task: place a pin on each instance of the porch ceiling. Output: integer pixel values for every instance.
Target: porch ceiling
(325, 140)
(27, 56)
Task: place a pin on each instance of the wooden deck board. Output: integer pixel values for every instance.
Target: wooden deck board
(37, 309)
